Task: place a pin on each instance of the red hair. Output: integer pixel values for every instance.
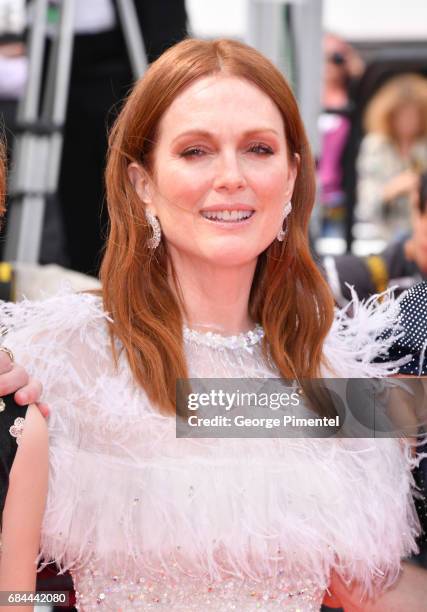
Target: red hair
(289, 296)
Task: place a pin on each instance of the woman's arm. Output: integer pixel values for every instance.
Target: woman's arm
(408, 593)
(24, 507)
(403, 183)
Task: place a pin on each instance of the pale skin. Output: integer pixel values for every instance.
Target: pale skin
(24, 507)
(229, 151)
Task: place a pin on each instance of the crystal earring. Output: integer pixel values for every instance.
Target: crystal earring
(154, 241)
(283, 232)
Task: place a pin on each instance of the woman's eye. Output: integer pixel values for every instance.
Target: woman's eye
(261, 149)
(193, 152)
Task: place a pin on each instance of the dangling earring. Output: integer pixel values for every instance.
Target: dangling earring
(283, 232)
(154, 241)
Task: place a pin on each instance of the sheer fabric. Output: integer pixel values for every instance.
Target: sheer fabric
(143, 519)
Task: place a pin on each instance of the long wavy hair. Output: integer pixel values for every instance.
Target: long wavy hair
(289, 296)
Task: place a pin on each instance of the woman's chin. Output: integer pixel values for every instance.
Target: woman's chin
(231, 255)
(225, 252)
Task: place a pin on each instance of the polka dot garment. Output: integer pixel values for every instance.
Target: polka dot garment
(413, 319)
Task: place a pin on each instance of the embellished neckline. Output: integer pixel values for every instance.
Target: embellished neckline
(215, 340)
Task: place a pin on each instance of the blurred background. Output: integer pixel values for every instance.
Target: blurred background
(357, 67)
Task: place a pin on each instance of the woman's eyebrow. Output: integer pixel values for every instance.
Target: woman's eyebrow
(207, 134)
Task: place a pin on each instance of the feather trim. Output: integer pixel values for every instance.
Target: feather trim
(125, 493)
(361, 336)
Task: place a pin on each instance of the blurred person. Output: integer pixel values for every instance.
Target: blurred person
(392, 155)
(342, 69)
(23, 489)
(204, 247)
(13, 60)
(13, 70)
(413, 342)
(402, 264)
(13, 80)
(100, 78)
(13, 77)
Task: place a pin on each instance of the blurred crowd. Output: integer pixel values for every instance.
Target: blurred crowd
(372, 171)
(101, 76)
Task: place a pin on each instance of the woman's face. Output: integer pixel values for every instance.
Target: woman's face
(221, 173)
(335, 59)
(406, 122)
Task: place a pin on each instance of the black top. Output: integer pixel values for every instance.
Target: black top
(413, 319)
(9, 411)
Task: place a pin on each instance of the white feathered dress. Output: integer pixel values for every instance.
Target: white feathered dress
(145, 520)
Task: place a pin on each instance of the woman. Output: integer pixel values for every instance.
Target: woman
(207, 273)
(342, 68)
(392, 154)
(23, 444)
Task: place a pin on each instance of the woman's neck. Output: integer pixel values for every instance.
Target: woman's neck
(216, 298)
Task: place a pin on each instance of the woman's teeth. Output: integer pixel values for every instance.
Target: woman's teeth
(227, 215)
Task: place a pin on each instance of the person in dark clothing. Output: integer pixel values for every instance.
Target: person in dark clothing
(413, 342)
(402, 264)
(100, 78)
(343, 68)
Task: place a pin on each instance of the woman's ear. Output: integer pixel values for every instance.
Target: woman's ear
(293, 170)
(141, 182)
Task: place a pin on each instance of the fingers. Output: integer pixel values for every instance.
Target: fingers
(30, 393)
(13, 380)
(44, 409)
(5, 363)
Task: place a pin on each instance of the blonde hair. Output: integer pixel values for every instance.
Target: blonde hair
(397, 92)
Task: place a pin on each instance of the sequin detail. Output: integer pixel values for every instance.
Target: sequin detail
(98, 591)
(248, 339)
(17, 429)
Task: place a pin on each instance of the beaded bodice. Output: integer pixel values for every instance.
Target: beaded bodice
(98, 591)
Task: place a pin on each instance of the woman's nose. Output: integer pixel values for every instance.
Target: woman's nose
(229, 175)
